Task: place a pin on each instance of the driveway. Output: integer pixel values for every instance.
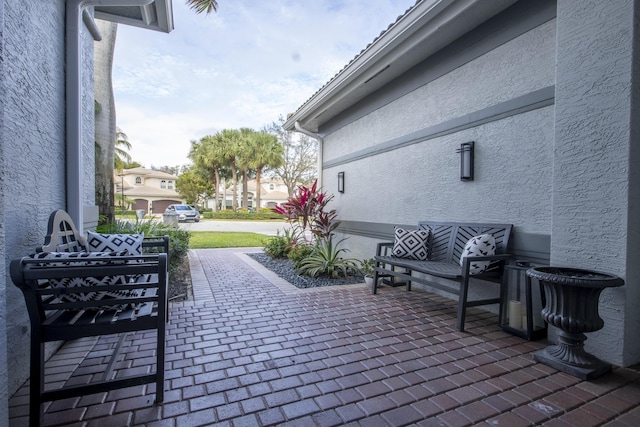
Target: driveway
(269, 228)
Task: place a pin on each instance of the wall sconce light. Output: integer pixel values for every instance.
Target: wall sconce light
(466, 161)
(340, 182)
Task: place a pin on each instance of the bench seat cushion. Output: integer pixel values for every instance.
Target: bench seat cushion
(437, 268)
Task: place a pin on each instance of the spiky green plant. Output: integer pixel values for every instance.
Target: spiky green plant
(326, 260)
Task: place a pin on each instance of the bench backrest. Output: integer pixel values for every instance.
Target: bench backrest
(63, 236)
(448, 239)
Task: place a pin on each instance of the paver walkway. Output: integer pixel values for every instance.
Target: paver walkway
(251, 350)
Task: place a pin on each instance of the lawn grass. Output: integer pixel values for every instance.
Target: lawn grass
(225, 239)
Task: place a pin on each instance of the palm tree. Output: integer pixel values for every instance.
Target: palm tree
(266, 152)
(121, 156)
(227, 144)
(105, 120)
(245, 162)
(207, 162)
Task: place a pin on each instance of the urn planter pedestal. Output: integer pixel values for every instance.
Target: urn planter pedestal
(572, 297)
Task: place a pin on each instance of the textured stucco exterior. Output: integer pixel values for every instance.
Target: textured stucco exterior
(560, 167)
(4, 374)
(32, 147)
(592, 208)
(513, 155)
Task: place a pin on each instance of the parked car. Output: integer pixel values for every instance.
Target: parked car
(185, 212)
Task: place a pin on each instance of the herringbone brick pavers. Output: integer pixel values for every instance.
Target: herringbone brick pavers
(252, 350)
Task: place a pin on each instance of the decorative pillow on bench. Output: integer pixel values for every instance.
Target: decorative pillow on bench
(482, 245)
(132, 243)
(411, 244)
(79, 258)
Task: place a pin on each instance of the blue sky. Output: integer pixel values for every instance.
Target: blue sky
(243, 66)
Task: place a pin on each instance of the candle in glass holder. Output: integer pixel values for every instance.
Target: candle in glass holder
(515, 314)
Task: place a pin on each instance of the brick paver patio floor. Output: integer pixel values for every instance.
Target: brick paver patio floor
(252, 350)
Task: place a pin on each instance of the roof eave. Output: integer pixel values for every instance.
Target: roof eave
(157, 16)
(422, 31)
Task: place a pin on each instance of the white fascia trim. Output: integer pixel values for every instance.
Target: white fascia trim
(156, 15)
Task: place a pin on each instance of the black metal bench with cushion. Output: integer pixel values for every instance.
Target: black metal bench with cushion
(71, 293)
(448, 250)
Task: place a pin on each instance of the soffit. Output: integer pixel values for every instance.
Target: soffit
(423, 30)
(157, 15)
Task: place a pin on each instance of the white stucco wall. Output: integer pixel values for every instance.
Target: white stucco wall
(33, 149)
(513, 157)
(4, 374)
(592, 179)
(515, 68)
(34, 123)
(566, 170)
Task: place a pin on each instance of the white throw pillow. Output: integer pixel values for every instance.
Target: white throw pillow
(411, 244)
(482, 245)
(132, 243)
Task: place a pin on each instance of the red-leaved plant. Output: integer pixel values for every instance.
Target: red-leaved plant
(306, 211)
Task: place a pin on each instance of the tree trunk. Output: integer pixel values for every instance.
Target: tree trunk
(234, 197)
(105, 127)
(217, 183)
(245, 190)
(258, 188)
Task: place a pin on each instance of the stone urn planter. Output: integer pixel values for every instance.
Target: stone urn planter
(572, 297)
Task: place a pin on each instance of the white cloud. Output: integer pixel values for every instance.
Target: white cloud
(243, 66)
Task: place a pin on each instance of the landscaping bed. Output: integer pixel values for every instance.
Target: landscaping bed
(284, 268)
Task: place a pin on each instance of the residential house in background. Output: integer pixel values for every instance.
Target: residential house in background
(146, 189)
(273, 192)
(47, 138)
(547, 91)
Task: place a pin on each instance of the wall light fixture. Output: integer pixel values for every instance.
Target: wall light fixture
(466, 161)
(340, 182)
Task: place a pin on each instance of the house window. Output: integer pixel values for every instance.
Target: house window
(138, 180)
(170, 185)
(272, 187)
(163, 184)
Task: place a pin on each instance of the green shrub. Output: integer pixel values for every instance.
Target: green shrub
(299, 253)
(245, 215)
(277, 247)
(178, 238)
(326, 261)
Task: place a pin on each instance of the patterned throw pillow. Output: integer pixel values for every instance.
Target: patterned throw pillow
(81, 258)
(411, 244)
(132, 243)
(483, 245)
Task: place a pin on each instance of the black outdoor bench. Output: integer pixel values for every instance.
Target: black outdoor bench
(111, 294)
(445, 245)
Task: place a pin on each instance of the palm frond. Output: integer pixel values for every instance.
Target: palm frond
(203, 6)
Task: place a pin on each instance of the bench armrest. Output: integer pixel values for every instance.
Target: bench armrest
(161, 242)
(384, 246)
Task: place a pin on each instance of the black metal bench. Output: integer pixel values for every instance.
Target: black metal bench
(118, 295)
(445, 246)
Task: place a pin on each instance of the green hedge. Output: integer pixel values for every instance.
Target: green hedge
(178, 238)
(254, 216)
